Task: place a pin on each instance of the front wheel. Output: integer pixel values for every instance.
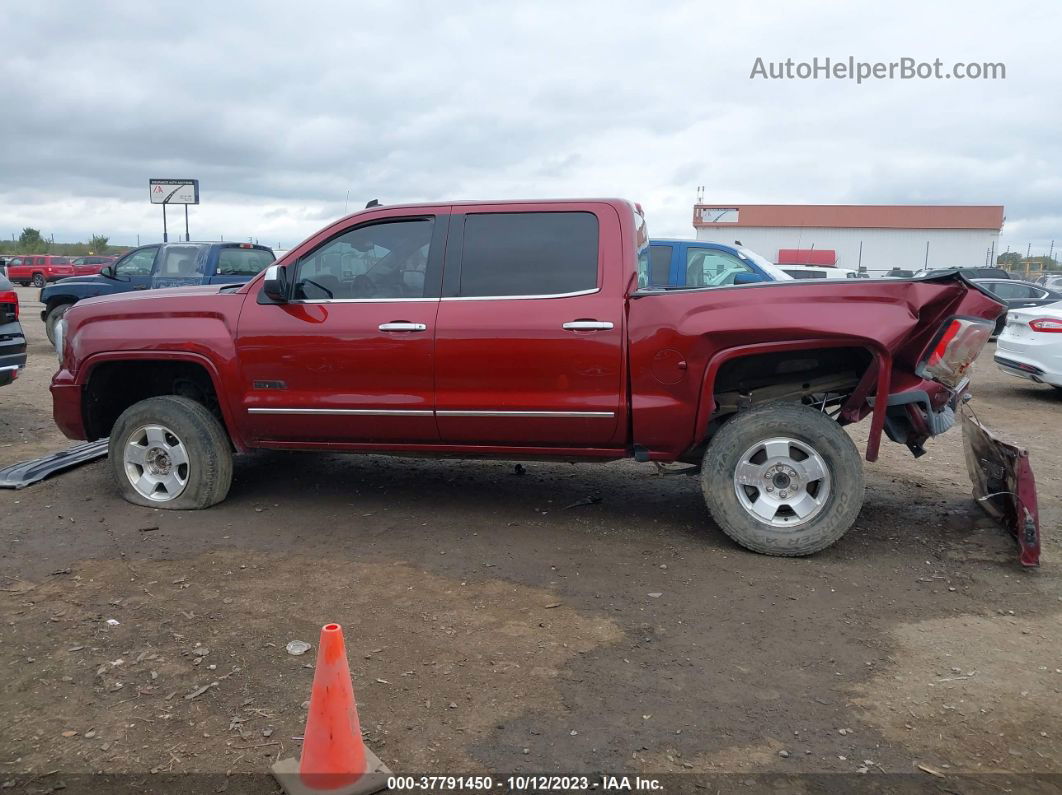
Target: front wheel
(38, 280)
(170, 452)
(783, 479)
(52, 319)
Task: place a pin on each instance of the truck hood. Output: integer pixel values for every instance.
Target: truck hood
(61, 285)
(163, 294)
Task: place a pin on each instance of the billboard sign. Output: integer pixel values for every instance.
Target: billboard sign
(717, 215)
(174, 191)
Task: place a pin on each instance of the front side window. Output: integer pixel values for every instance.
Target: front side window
(243, 261)
(513, 254)
(382, 260)
(136, 264)
(710, 268)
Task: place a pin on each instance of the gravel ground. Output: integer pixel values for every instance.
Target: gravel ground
(492, 628)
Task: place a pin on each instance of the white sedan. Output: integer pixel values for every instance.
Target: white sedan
(1031, 344)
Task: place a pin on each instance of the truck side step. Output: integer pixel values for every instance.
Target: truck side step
(23, 474)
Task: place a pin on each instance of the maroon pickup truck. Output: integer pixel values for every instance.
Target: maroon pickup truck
(523, 330)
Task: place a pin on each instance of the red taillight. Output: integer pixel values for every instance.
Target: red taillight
(1048, 324)
(955, 350)
(9, 305)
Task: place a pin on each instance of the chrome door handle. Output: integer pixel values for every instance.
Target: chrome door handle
(587, 325)
(402, 325)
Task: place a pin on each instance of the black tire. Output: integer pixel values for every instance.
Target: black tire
(839, 506)
(38, 280)
(53, 317)
(208, 471)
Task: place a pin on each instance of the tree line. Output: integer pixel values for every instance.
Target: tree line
(31, 241)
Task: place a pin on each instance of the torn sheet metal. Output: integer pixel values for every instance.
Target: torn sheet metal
(1003, 485)
(25, 473)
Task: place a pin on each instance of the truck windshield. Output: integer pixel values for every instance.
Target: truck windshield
(765, 264)
(243, 261)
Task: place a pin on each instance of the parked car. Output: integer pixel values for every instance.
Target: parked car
(812, 272)
(969, 273)
(1052, 281)
(12, 340)
(1031, 345)
(700, 263)
(38, 269)
(1017, 295)
(518, 329)
(90, 265)
(155, 266)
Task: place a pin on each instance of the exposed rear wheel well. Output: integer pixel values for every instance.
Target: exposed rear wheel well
(115, 386)
(788, 375)
(820, 377)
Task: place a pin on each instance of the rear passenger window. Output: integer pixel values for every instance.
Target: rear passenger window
(243, 261)
(529, 254)
(659, 265)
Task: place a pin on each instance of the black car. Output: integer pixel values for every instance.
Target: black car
(12, 340)
(970, 273)
(1016, 295)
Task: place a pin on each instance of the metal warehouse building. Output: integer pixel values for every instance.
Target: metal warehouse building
(874, 237)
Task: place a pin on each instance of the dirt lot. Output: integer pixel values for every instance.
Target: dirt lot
(493, 628)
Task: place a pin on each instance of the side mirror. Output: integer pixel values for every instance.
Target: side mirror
(275, 284)
(748, 278)
(107, 271)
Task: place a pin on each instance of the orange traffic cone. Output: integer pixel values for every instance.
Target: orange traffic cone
(334, 758)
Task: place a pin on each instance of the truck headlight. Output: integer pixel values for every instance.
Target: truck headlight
(60, 338)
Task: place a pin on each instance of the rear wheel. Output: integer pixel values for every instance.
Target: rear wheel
(783, 479)
(170, 452)
(53, 317)
(38, 280)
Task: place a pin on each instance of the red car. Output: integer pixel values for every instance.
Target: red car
(90, 265)
(38, 269)
(519, 330)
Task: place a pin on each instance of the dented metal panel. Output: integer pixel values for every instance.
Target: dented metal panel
(1003, 485)
(25, 473)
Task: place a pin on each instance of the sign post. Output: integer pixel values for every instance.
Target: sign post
(173, 191)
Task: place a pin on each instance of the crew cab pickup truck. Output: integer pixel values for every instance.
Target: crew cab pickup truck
(699, 263)
(519, 330)
(155, 266)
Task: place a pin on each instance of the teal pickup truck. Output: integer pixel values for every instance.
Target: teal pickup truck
(155, 266)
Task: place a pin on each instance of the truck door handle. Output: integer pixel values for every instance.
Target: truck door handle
(587, 325)
(402, 325)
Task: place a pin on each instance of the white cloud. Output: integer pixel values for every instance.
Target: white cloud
(281, 109)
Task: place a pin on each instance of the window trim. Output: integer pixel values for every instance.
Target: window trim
(436, 249)
(455, 257)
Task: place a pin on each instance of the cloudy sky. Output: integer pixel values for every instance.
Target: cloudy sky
(281, 108)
